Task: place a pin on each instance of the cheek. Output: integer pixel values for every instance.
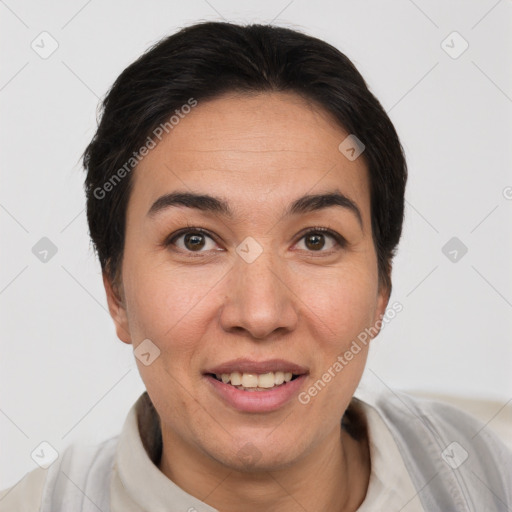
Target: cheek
(168, 305)
(341, 303)
(341, 307)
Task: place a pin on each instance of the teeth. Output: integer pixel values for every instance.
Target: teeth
(235, 378)
(253, 380)
(266, 380)
(249, 380)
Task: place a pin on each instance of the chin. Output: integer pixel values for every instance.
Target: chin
(248, 454)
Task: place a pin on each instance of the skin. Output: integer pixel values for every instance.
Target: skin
(296, 301)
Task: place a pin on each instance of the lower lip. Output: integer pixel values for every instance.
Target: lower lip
(256, 401)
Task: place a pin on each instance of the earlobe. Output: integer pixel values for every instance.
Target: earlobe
(117, 309)
(382, 302)
(383, 296)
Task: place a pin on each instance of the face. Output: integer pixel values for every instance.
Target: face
(255, 283)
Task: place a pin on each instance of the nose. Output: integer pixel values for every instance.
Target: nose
(259, 301)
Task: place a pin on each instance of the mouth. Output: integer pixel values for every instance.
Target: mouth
(253, 381)
(251, 386)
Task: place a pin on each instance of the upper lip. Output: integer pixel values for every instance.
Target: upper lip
(243, 365)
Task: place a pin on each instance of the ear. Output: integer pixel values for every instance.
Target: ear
(117, 309)
(383, 295)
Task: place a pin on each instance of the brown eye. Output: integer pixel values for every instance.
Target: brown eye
(315, 241)
(322, 240)
(192, 240)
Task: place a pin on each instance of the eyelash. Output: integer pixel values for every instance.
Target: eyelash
(340, 241)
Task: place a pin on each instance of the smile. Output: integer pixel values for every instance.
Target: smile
(255, 382)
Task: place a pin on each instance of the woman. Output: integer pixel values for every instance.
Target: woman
(245, 195)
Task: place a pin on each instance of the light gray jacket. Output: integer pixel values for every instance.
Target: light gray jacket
(455, 463)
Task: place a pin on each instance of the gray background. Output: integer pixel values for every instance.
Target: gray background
(64, 376)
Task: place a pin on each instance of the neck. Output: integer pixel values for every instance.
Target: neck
(333, 477)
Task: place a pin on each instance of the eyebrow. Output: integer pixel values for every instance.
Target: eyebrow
(208, 203)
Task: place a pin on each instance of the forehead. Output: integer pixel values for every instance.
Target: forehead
(254, 150)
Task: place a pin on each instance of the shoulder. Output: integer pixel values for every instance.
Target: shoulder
(80, 468)
(444, 426)
(440, 419)
(26, 494)
(454, 460)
